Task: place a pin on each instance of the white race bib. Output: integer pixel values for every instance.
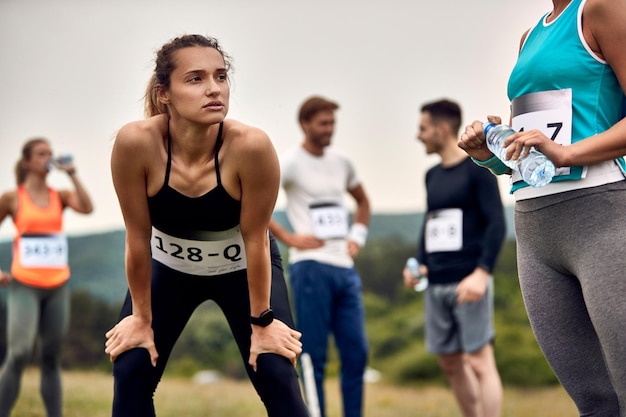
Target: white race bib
(329, 220)
(444, 231)
(43, 251)
(216, 253)
(550, 112)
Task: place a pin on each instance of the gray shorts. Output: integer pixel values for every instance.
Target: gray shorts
(452, 328)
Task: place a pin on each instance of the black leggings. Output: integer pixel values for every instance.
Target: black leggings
(175, 296)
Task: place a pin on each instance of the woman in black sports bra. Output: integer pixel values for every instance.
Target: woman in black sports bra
(197, 193)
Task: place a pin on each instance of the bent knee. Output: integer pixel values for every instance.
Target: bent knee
(483, 360)
(274, 369)
(19, 358)
(133, 369)
(452, 363)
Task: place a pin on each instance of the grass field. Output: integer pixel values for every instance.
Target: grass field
(88, 394)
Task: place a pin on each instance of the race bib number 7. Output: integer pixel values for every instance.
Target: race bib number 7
(550, 112)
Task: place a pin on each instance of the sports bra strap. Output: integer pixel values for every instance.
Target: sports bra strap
(169, 157)
(218, 145)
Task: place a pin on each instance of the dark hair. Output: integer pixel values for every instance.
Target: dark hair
(313, 105)
(444, 111)
(27, 153)
(165, 65)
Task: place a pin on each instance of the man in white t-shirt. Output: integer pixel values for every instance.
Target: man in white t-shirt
(326, 287)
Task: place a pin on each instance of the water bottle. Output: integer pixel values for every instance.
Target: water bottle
(414, 267)
(535, 168)
(61, 160)
(64, 159)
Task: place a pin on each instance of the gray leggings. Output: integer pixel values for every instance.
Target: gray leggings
(571, 253)
(33, 312)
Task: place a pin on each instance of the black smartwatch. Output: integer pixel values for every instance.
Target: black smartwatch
(264, 319)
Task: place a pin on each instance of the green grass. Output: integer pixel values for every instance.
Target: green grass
(88, 394)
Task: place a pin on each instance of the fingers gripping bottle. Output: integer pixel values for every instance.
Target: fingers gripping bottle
(414, 267)
(535, 168)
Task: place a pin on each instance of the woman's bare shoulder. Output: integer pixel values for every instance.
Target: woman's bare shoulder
(8, 202)
(244, 136)
(9, 195)
(142, 132)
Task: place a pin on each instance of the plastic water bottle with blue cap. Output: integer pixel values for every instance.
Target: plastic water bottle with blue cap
(60, 161)
(64, 159)
(413, 266)
(535, 168)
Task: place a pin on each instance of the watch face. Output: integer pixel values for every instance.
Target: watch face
(267, 317)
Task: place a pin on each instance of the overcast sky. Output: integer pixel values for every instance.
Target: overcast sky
(74, 71)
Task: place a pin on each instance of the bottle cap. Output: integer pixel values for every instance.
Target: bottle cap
(64, 159)
(487, 127)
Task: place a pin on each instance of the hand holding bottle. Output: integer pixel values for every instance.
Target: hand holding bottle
(412, 273)
(65, 163)
(472, 141)
(534, 167)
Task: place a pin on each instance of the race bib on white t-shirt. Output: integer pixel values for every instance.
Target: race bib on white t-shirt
(43, 251)
(444, 231)
(329, 220)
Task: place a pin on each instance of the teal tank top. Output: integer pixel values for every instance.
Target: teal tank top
(555, 56)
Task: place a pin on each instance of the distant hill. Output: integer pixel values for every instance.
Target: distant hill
(405, 226)
(97, 260)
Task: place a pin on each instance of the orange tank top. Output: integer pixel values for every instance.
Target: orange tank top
(40, 252)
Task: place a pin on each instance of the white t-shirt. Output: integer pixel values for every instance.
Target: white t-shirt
(315, 187)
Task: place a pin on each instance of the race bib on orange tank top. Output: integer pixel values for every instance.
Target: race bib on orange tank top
(43, 251)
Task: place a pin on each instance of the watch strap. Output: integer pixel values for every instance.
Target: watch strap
(264, 320)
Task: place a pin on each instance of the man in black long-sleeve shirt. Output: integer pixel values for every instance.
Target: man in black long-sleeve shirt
(463, 232)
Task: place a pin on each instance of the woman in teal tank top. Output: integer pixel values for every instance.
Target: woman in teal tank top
(567, 97)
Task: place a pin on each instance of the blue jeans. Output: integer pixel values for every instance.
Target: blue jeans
(328, 299)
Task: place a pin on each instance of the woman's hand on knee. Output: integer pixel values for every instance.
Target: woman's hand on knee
(276, 338)
(131, 332)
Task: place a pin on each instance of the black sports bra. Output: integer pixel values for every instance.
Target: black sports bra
(171, 211)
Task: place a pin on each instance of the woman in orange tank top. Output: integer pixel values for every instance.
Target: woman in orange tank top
(38, 300)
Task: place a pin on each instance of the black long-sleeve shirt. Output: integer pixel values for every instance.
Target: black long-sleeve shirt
(473, 190)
